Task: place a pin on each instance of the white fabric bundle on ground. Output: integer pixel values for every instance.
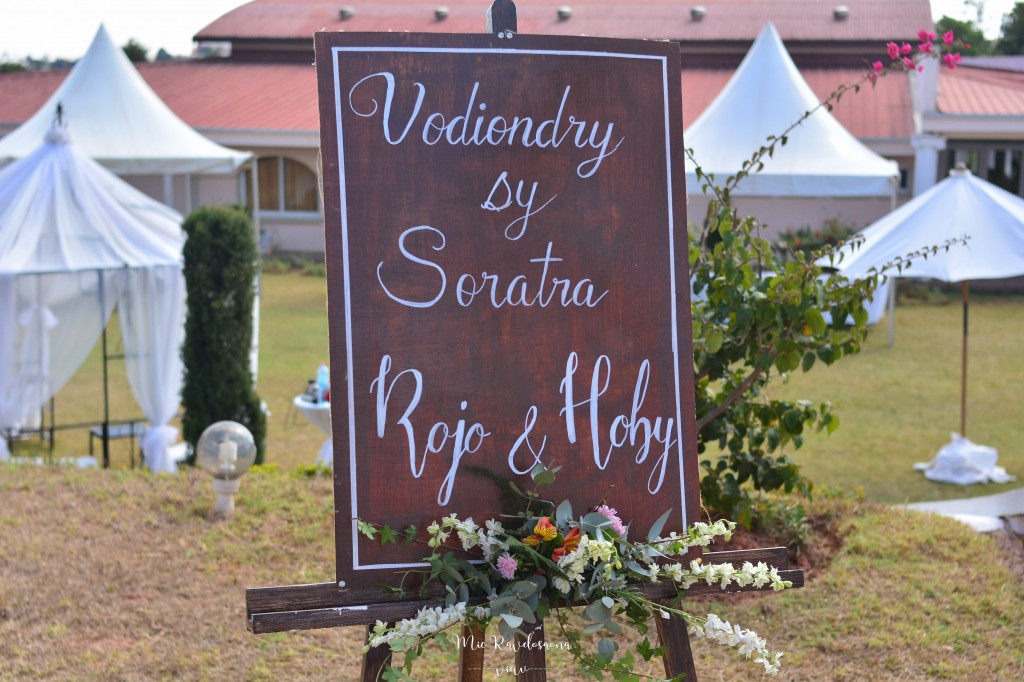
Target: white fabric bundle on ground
(962, 462)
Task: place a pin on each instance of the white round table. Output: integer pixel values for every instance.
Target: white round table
(320, 416)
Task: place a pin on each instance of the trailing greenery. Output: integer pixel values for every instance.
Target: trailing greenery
(221, 263)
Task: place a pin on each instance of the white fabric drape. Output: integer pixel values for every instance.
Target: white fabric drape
(51, 314)
(152, 308)
(74, 241)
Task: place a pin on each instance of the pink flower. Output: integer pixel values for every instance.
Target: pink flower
(909, 63)
(947, 37)
(926, 47)
(507, 566)
(878, 67)
(612, 516)
(925, 36)
(905, 48)
(951, 59)
(894, 50)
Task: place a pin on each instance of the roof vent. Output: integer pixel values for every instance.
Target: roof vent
(346, 13)
(441, 13)
(697, 12)
(841, 12)
(564, 12)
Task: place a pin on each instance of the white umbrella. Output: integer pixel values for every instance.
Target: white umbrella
(961, 205)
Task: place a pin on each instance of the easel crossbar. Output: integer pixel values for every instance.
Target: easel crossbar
(325, 605)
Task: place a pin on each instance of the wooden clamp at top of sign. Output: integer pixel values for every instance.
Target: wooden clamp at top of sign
(505, 222)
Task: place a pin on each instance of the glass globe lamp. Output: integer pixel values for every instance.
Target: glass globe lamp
(226, 450)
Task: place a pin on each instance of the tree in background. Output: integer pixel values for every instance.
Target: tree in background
(1011, 39)
(968, 32)
(221, 260)
(12, 67)
(135, 51)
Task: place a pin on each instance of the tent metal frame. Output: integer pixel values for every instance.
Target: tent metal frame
(106, 423)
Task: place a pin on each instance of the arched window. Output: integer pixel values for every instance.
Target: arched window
(286, 186)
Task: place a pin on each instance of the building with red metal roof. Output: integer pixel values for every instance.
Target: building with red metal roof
(262, 97)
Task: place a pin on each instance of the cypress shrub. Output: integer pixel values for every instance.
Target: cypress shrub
(221, 259)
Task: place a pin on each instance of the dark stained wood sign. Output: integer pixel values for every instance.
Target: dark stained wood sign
(507, 279)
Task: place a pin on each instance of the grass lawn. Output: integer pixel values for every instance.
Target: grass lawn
(122, 575)
(898, 405)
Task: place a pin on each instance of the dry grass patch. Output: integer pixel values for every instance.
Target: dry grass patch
(123, 575)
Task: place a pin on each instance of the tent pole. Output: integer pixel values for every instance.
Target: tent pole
(168, 190)
(965, 296)
(106, 386)
(892, 312)
(254, 351)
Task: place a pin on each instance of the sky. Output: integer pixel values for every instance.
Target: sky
(64, 28)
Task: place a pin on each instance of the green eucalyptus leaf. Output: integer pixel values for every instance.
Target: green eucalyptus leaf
(541, 475)
(563, 513)
(606, 648)
(598, 612)
(593, 523)
(512, 621)
(522, 588)
(655, 532)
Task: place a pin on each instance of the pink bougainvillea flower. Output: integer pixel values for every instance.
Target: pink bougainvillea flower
(894, 50)
(909, 63)
(951, 59)
(507, 566)
(878, 67)
(926, 47)
(905, 48)
(947, 37)
(925, 36)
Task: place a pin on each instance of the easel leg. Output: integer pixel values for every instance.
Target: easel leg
(471, 654)
(530, 663)
(375, 660)
(676, 642)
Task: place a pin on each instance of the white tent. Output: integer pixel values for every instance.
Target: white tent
(117, 119)
(961, 205)
(75, 240)
(764, 97)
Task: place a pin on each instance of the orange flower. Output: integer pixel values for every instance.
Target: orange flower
(541, 532)
(569, 543)
(544, 529)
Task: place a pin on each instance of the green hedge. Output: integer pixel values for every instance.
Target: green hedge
(221, 261)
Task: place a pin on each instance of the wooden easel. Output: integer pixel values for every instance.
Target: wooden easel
(325, 605)
(329, 605)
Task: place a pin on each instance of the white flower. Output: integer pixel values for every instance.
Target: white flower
(746, 641)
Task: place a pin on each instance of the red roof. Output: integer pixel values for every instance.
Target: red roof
(218, 94)
(987, 92)
(205, 94)
(742, 20)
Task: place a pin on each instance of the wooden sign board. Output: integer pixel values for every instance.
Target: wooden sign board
(507, 280)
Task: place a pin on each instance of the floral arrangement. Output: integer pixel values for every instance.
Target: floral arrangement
(517, 574)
